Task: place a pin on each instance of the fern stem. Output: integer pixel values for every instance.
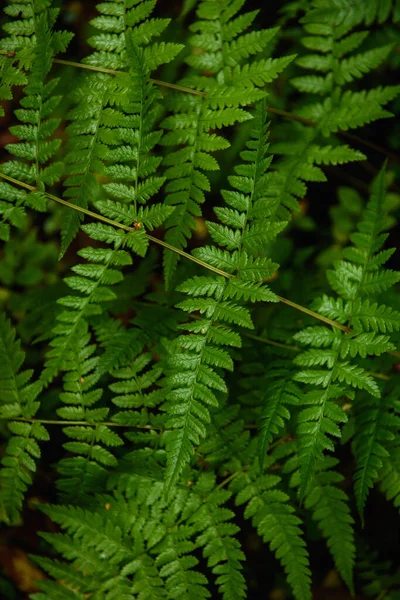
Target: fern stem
(88, 423)
(311, 313)
(190, 257)
(381, 376)
(94, 215)
(70, 63)
(228, 480)
(186, 90)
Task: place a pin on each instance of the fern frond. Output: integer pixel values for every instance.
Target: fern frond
(329, 70)
(377, 423)
(89, 443)
(18, 396)
(389, 476)
(33, 36)
(194, 380)
(217, 538)
(224, 47)
(116, 22)
(276, 523)
(352, 279)
(329, 505)
(91, 283)
(344, 16)
(109, 109)
(273, 390)
(132, 390)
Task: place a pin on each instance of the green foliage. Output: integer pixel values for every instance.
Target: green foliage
(37, 47)
(378, 422)
(181, 392)
(360, 274)
(245, 228)
(220, 47)
(18, 401)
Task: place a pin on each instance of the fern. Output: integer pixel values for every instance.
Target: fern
(221, 47)
(389, 476)
(378, 423)
(112, 106)
(128, 163)
(359, 275)
(18, 400)
(276, 523)
(329, 506)
(179, 402)
(34, 44)
(305, 151)
(193, 378)
(81, 473)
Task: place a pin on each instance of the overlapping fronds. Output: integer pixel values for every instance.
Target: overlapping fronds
(242, 234)
(328, 363)
(18, 400)
(222, 44)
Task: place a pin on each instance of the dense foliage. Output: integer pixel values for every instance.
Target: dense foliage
(186, 342)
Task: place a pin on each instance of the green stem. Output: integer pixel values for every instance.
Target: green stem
(186, 90)
(89, 424)
(311, 313)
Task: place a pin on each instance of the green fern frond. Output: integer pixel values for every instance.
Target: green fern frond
(89, 443)
(221, 47)
(91, 286)
(276, 523)
(389, 476)
(136, 389)
(346, 15)
(33, 36)
(117, 21)
(359, 275)
(377, 423)
(18, 396)
(217, 538)
(326, 26)
(274, 392)
(108, 109)
(194, 381)
(329, 506)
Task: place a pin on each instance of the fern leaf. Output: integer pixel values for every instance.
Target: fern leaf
(276, 523)
(330, 508)
(18, 400)
(193, 384)
(376, 425)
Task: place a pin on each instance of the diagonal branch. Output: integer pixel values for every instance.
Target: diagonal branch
(202, 263)
(186, 90)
